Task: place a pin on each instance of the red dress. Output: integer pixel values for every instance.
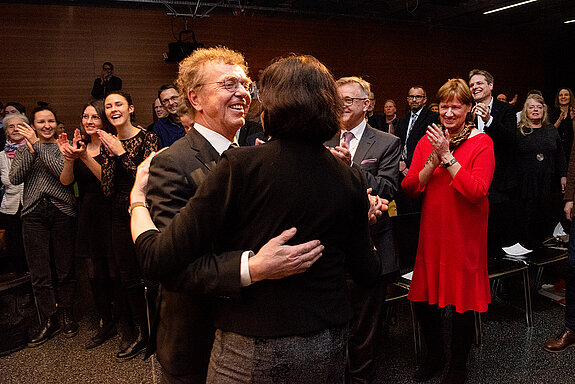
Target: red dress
(451, 263)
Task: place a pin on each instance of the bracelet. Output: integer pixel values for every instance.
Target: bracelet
(449, 164)
(137, 204)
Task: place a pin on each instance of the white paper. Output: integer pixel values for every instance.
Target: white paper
(559, 231)
(408, 276)
(516, 250)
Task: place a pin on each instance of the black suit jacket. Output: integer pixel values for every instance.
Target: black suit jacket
(183, 329)
(252, 195)
(377, 156)
(99, 90)
(504, 133)
(426, 118)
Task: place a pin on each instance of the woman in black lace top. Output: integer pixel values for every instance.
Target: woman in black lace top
(121, 156)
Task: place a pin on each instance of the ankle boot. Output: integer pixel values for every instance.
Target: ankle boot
(69, 326)
(107, 331)
(49, 329)
(137, 346)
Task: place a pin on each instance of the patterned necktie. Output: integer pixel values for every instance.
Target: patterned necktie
(404, 151)
(347, 136)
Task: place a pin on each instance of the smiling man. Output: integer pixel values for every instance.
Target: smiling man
(376, 154)
(498, 120)
(213, 84)
(169, 128)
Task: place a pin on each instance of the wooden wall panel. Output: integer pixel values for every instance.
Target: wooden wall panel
(56, 52)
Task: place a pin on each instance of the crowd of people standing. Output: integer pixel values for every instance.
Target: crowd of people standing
(255, 270)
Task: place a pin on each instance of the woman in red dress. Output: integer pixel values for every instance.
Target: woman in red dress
(452, 169)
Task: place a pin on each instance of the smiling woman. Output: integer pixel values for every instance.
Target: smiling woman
(452, 169)
(542, 171)
(121, 156)
(48, 218)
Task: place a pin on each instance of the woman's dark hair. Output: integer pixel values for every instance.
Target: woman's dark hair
(98, 105)
(128, 98)
(40, 109)
(300, 100)
(18, 106)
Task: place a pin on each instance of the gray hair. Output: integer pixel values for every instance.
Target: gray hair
(6, 119)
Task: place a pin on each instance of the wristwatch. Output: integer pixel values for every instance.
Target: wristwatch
(137, 204)
(449, 163)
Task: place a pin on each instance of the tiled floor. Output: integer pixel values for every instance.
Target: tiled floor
(510, 353)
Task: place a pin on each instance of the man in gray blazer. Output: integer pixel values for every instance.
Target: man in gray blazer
(183, 332)
(376, 154)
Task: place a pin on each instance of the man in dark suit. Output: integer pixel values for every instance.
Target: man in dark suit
(498, 120)
(183, 331)
(410, 129)
(106, 83)
(376, 154)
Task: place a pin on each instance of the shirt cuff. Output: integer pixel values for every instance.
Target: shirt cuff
(245, 277)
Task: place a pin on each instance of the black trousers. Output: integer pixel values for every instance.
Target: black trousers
(46, 226)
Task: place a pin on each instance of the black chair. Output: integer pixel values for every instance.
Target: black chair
(543, 256)
(500, 267)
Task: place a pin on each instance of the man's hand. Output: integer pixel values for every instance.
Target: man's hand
(377, 206)
(341, 152)
(482, 111)
(275, 260)
(568, 208)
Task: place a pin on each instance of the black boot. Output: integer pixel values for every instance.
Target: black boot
(137, 346)
(69, 326)
(462, 331)
(107, 331)
(429, 318)
(49, 329)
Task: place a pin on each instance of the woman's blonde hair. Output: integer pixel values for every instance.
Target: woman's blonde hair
(524, 121)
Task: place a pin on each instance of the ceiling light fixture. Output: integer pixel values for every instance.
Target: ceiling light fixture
(509, 6)
(569, 21)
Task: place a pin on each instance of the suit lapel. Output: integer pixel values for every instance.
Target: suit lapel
(364, 144)
(205, 152)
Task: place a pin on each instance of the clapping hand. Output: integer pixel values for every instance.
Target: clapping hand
(112, 143)
(28, 133)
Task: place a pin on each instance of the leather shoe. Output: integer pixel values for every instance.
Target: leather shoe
(50, 328)
(560, 342)
(429, 369)
(70, 327)
(106, 332)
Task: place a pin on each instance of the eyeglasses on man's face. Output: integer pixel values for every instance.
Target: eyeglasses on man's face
(231, 84)
(415, 97)
(347, 101)
(168, 101)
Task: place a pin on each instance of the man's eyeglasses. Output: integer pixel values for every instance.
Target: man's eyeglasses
(349, 100)
(231, 84)
(416, 97)
(173, 99)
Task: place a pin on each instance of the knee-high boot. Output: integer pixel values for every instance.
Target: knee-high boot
(463, 326)
(102, 290)
(137, 305)
(429, 318)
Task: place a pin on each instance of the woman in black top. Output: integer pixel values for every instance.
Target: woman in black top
(542, 172)
(94, 235)
(563, 118)
(121, 156)
(291, 330)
